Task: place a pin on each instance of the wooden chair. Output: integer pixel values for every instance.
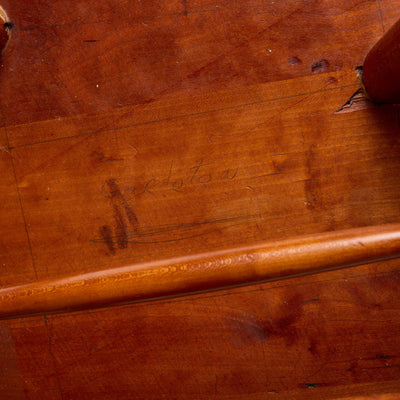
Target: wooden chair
(184, 187)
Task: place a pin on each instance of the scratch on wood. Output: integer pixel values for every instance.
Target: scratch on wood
(134, 148)
(310, 301)
(166, 233)
(120, 228)
(49, 335)
(106, 234)
(312, 385)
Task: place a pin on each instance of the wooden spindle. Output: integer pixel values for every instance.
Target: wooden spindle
(381, 69)
(208, 271)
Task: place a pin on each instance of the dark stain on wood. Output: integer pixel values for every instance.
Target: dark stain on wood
(294, 60)
(320, 66)
(107, 236)
(115, 194)
(120, 228)
(284, 324)
(185, 8)
(332, 80)
(313, 346)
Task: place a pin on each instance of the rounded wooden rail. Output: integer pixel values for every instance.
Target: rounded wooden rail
(209, 271)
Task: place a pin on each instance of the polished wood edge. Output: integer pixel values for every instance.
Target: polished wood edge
(3, 15)
(387, 396)
(203, 272)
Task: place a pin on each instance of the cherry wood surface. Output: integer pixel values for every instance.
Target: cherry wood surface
(136, 131)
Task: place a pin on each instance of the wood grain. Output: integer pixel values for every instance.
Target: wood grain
(390, 14)
(139, 131)
(195, 199)
(98, 57)
(16, 263)
(294, 339)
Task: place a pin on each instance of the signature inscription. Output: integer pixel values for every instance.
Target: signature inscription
(200, 173)
(126, 228)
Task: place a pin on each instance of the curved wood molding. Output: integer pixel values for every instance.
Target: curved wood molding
(208, 271)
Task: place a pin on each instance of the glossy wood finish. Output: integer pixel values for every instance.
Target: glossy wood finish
(202, 272)
(380, 74)
(136, 132)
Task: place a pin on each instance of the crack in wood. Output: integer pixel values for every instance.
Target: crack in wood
(356, 102)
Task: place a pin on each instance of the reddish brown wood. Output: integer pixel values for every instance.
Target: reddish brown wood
(202, 272)
(134, 132)
(380, 73)
(327, 336)
(98, 57)
(3, 36)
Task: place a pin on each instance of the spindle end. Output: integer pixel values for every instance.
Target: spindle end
(5, 29)
(379, 76)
